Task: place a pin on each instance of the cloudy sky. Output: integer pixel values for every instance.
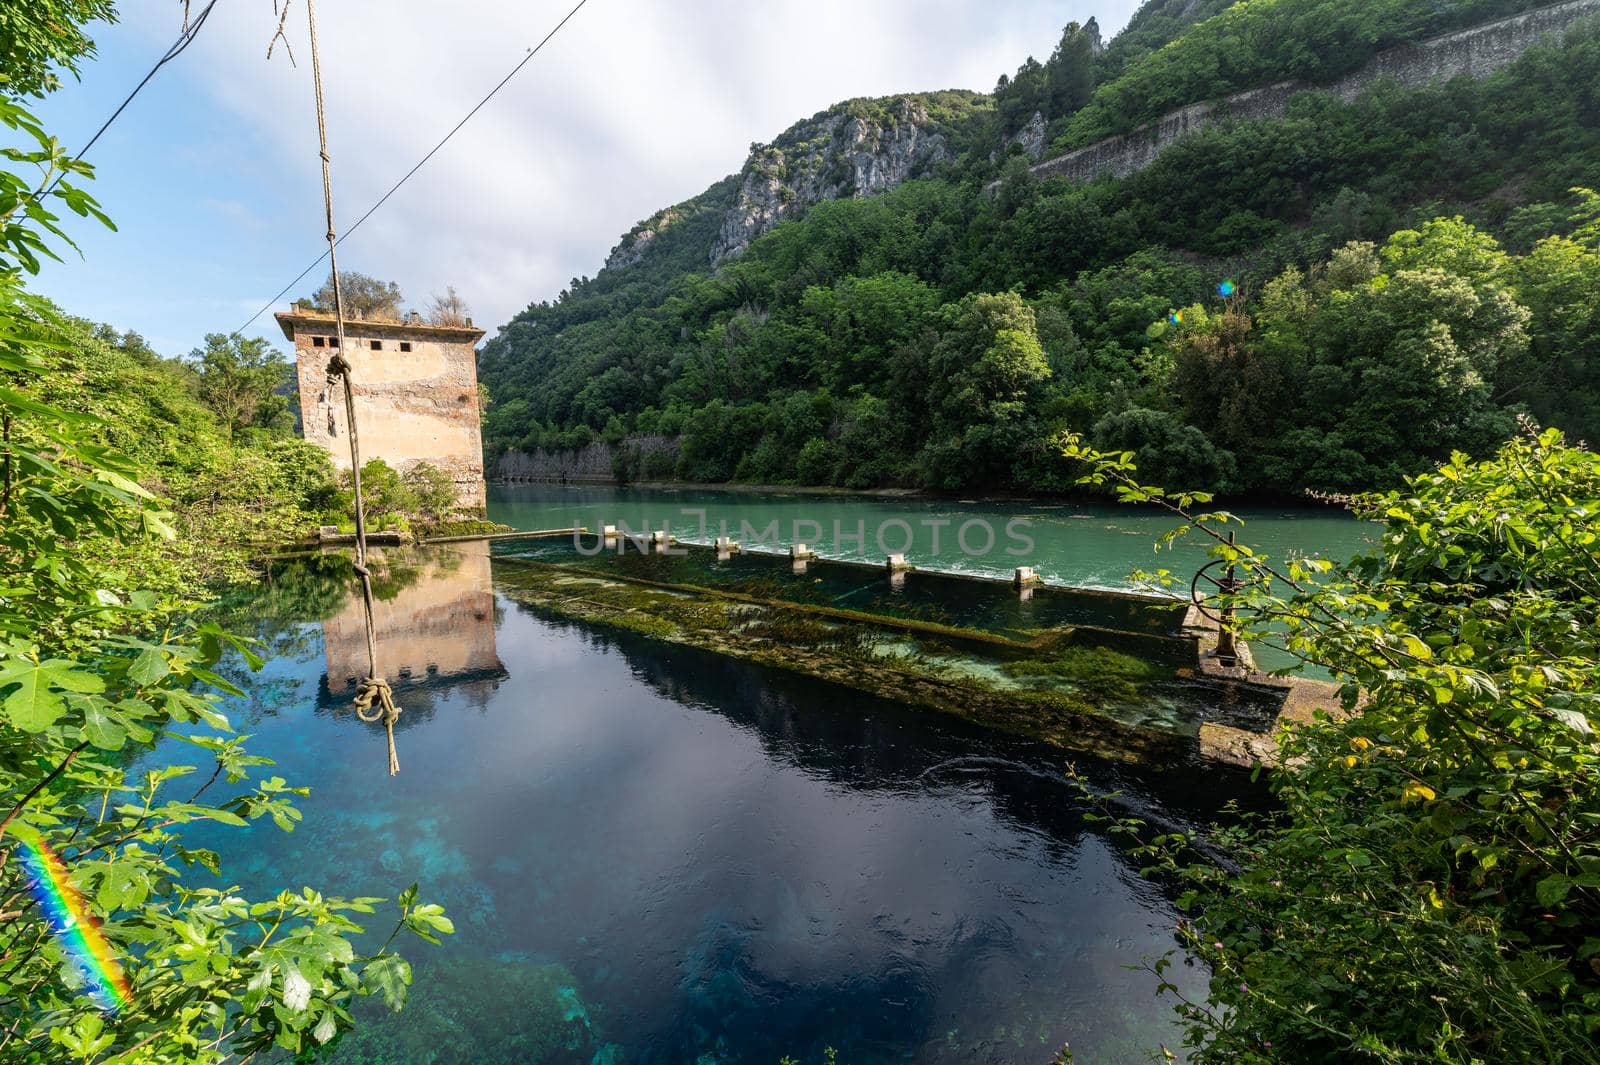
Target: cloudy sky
(212, 174)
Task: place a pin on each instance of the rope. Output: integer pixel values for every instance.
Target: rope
(374, 691)
(526, 59)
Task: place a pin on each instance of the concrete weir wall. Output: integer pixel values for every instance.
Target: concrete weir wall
(1473, 53)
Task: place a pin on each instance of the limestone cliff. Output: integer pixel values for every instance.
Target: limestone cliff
(638, 239)
(856, 149)
(682, 233)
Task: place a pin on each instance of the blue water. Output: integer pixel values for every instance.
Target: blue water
(653, 854)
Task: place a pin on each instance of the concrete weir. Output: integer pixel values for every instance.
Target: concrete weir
(1123, 675)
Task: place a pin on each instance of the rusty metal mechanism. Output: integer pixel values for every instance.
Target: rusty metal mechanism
(1227, 585)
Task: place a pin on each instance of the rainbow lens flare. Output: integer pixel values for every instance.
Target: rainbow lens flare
(1226, 289)
(70, 920)
(1176, 317)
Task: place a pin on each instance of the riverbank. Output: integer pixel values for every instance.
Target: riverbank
(1310, 500)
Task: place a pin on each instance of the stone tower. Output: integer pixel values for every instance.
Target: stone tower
(416, 394)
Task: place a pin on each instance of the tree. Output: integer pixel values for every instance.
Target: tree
(1070, 72)
(43, 37)
(986, 370)
(864, 320)
(1559, 377)
(1428, 889)
(449, 309)
(1451, 245)
(1167, 449)
(244, 382)
(364, 297)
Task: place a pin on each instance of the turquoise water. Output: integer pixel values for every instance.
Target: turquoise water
(1086, 545)
(1077, 544)
(654, 854)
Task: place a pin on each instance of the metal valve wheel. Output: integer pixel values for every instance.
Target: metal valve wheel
(1217, 575)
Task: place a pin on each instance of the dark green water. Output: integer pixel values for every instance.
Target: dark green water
(654, 854)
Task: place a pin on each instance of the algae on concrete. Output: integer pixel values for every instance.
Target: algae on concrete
(1065, 691)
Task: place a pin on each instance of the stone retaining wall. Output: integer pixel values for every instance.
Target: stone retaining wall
(647, 456)
(1474, 53)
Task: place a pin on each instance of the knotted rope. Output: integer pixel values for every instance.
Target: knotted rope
(374, 698)
(375, 702)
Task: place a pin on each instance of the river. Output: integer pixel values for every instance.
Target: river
(1078, 544)
(1092, 545)
(656, 855)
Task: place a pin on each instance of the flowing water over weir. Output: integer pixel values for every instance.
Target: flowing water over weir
(1044, 661)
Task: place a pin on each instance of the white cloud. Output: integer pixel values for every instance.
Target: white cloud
(635, 105)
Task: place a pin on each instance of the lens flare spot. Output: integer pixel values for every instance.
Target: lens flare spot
(73, 924)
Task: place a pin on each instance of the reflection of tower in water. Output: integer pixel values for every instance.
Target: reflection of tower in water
(435, 633)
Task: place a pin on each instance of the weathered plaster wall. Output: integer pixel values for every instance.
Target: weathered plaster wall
(438, 628)
(411, 406)
(1473, 53)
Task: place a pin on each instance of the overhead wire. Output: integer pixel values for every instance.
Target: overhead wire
(191, 30)
(526, 59)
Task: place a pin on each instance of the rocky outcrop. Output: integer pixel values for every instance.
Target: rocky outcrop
(1030, 136)
(854, 150)
(1475, 53)
(637, 241)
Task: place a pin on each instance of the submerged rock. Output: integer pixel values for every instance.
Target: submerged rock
(475, 1010)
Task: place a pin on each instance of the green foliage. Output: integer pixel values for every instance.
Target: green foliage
(1054, 89)
(100, 654)
(95, 663)
(1168, 449)
(44, 37)
(423, 494)
(1331, 368)
(984, 373)
(364, 297)
(1431, 887)
(1257, 43)
(232, 491)
(245, 382)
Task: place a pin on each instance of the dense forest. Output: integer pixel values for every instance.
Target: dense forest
(1327, 300)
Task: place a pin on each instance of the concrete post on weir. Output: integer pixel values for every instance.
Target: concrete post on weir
(416, 394)
(1025, 580)
(726, 548)
(897, 564)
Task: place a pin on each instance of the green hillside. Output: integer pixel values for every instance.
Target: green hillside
(943, 336)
